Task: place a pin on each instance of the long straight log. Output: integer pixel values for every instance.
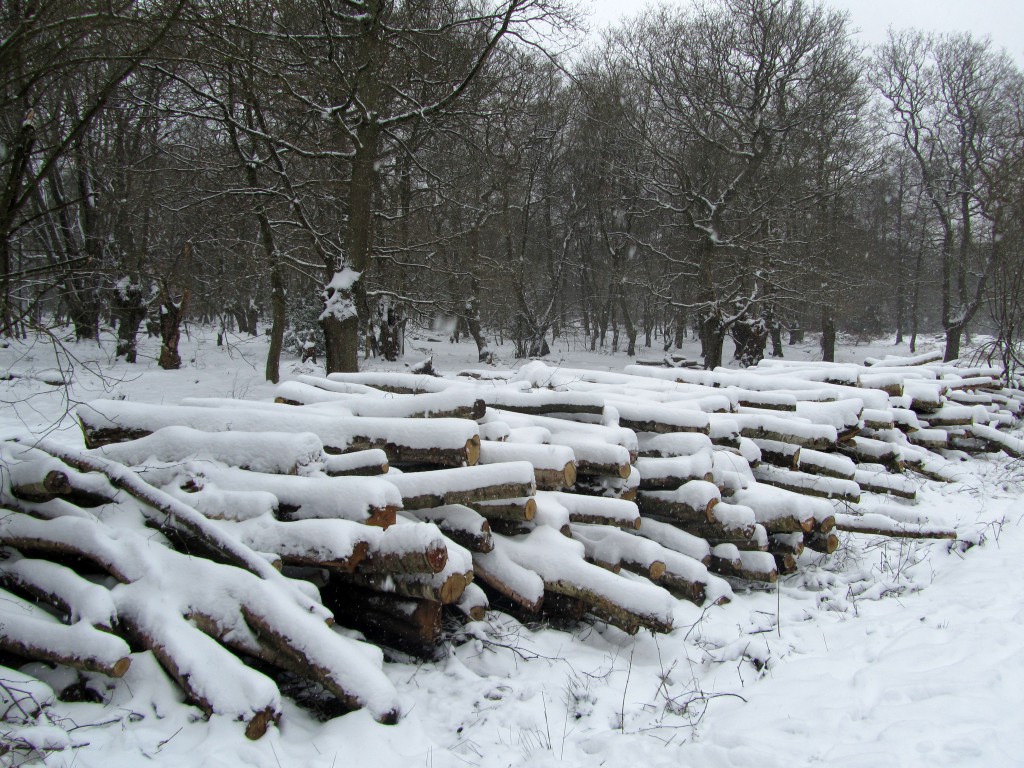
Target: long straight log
(468, 484)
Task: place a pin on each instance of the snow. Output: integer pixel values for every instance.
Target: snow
(888, 653)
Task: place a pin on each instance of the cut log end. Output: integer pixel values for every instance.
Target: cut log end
(473, 451)
(260, 723)
(121, 667)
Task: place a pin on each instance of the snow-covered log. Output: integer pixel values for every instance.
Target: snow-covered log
(795, 432)
(783, 511)
(676, 539)
(368, 500)
(652, 445)
(79, 645)
(370, 462)
(614, 549)
(727, 560)
(880, 481)
(691, 502)
(1010, 445)
(75, 598)
(458, 522)
(442, 442)
(883, 525)
(272, 452)
(465, 485)
(872, 451)
(593, 509)
(559, 561)
(812, 485)
(518, 510)
(554, 466)
(452, 404)
(665, 473)
(827, 464)
(659, 418)
(783, 455)
(510, 580)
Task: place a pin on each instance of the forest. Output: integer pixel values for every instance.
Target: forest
(333, 173)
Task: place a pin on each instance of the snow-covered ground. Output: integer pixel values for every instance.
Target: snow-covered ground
(887, 653)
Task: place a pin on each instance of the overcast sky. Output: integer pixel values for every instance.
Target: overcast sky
(1002, 20)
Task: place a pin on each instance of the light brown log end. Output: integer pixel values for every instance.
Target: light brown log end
(656, 570)
(530, 509)
(260, 722)
(473, 451)
(121, 667)
(382, 517)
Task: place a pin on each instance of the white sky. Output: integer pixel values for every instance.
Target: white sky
(1002, 20)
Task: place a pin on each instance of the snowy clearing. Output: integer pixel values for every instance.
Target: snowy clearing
(889, 652)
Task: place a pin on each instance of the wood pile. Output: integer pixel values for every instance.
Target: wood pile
(217, 532)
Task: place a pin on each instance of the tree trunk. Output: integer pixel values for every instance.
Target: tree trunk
(278, 307)
(130, 311)
(953, 333)
(712, 340)
(828, 337)
(171, 315)
(342, 330)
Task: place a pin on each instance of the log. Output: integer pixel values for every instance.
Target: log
(594, 509)
(285, 453)
(408, 624)
(782, 455)
(662, 418)
(173, 517)
(465, 485)
(289, 642)
(881, 482)
(670, 473)
(881, 525)
(692, 502)
(446, 588)
(1008, 444)
(863, 449)
(750, 566)
(821, 542)
(80, 646)
(811, 485)
(34, 481)
(76, 598)
(357, 463)
(614, 549)
(513, 510)
(439, 442)
(675, 539)
(786, 543)
(461, 524)
(554, 466)
(785, 563)
(322, 393)
(818, 437)
(211, 677)
(559, 562)
(474, 603)
(509, 579)
(826, 464)
(609, 487)
(674, 444)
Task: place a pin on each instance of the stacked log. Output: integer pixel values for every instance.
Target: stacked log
(557, 494)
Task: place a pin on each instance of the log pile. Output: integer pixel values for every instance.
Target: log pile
(390, 503)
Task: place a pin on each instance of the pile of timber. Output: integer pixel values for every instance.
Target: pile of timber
(390, 502)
